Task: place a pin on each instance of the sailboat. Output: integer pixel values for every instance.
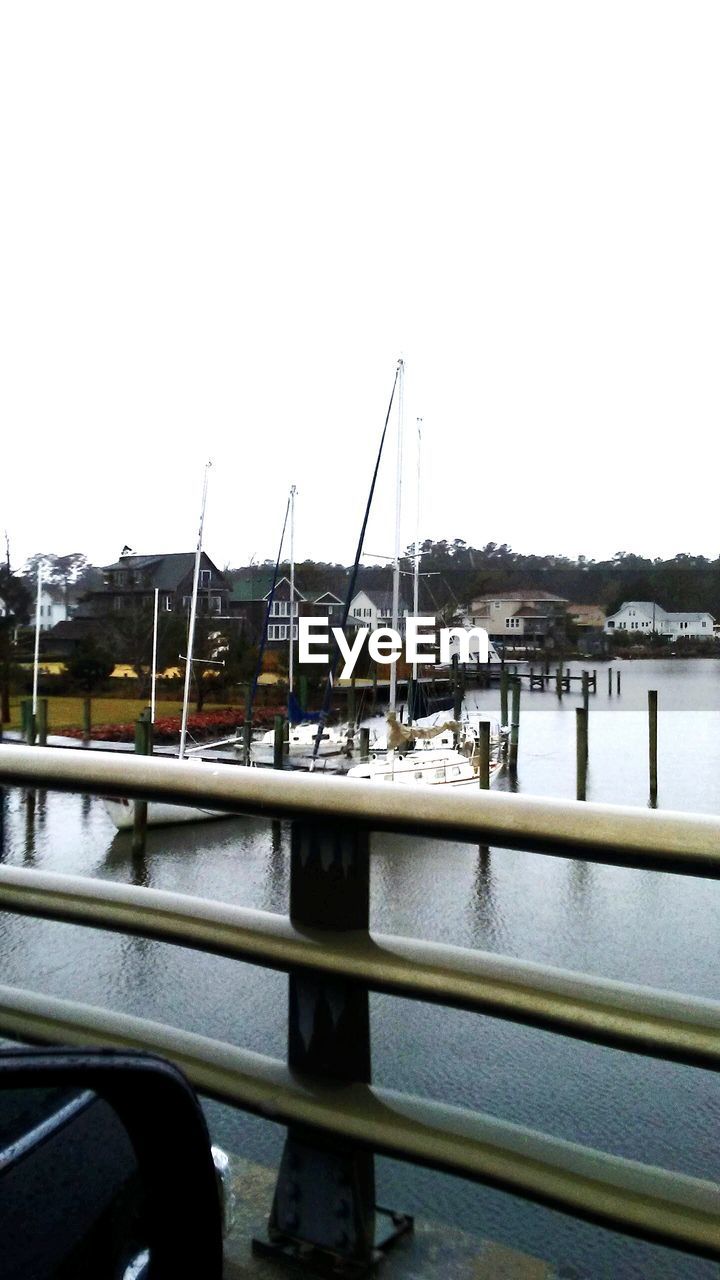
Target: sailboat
(302, 728)
(454, 761)
(159, 814)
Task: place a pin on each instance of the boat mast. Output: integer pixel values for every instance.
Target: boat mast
(416, 568)
(293, 491)
(398, 504)
(36, 658)
(191, 624)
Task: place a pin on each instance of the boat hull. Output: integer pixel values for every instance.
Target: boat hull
(122, 813)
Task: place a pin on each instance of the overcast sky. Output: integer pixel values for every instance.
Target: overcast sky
(221, 224)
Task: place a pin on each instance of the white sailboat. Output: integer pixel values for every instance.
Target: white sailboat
(159, 814)
(445, 755)
(301, 737)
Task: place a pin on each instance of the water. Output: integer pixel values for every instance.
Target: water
(656, 929)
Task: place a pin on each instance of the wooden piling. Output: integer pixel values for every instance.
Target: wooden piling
(581, 751)
(86, 719)
(42, 721)
(279, 742)
(484, 755)
(617, 680)
(303, 691)
(364, 743)
(559, 678)
(586, 690)
(652, 733)
(351, 703)
(247, 738)
(504, 716)
(514, 724)
(610, 681)
(143, 747)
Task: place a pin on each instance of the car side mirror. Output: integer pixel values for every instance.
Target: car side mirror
(106, 1169)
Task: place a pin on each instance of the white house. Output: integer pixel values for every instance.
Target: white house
(648, 618)
(52, 608)
(373, 609)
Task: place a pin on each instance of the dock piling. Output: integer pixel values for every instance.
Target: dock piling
(514, 724)
(653, 744)
(86, 720)
(143, 747)
(279, 742)
(484, 755)
(581, 752)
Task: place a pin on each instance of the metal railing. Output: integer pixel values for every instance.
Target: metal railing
(324, 1093)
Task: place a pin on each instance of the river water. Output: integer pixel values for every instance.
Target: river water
(661, 930)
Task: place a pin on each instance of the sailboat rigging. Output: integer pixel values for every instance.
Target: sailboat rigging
(122, 810)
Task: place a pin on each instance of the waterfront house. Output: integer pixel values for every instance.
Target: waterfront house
(132, 580)
(526, 616)
(249, 600)
(646, 617)
(373, 608)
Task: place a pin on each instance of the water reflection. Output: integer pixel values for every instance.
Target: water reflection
(482, 908)
(29, 857)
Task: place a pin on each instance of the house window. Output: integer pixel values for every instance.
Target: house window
(205, 576)
(703, 624)
(280, 609)
(167, 603)
(216, 604)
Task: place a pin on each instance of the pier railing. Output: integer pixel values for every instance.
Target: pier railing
(337, 1120)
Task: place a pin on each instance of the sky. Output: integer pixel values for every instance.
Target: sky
(222, 225)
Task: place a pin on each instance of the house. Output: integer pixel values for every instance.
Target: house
(53, 607)
(646, 617)
(249, 601)
(587, 616)
(133, 580)
(525, 616)
(373, 608)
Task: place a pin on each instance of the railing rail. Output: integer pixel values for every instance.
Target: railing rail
(659, 1023)
(650, 839)
(328, 948)
(643, 1200)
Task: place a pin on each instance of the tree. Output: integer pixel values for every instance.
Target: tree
(90, 665)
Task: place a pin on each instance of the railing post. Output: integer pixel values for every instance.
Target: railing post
(324, 1205)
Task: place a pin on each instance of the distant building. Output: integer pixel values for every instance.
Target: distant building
(587, 616)
(526, 615)
(53, 607)
(645, 617)
(133, 580)
(249, 602)
(373, 609)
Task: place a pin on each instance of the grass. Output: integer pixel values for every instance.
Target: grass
(66, 713)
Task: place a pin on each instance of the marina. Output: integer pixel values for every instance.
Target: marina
(618, 923)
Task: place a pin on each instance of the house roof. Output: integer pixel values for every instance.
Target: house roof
(530, 594)
(381, 599)
(258, 588)
(328, 597)
(166, 571)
